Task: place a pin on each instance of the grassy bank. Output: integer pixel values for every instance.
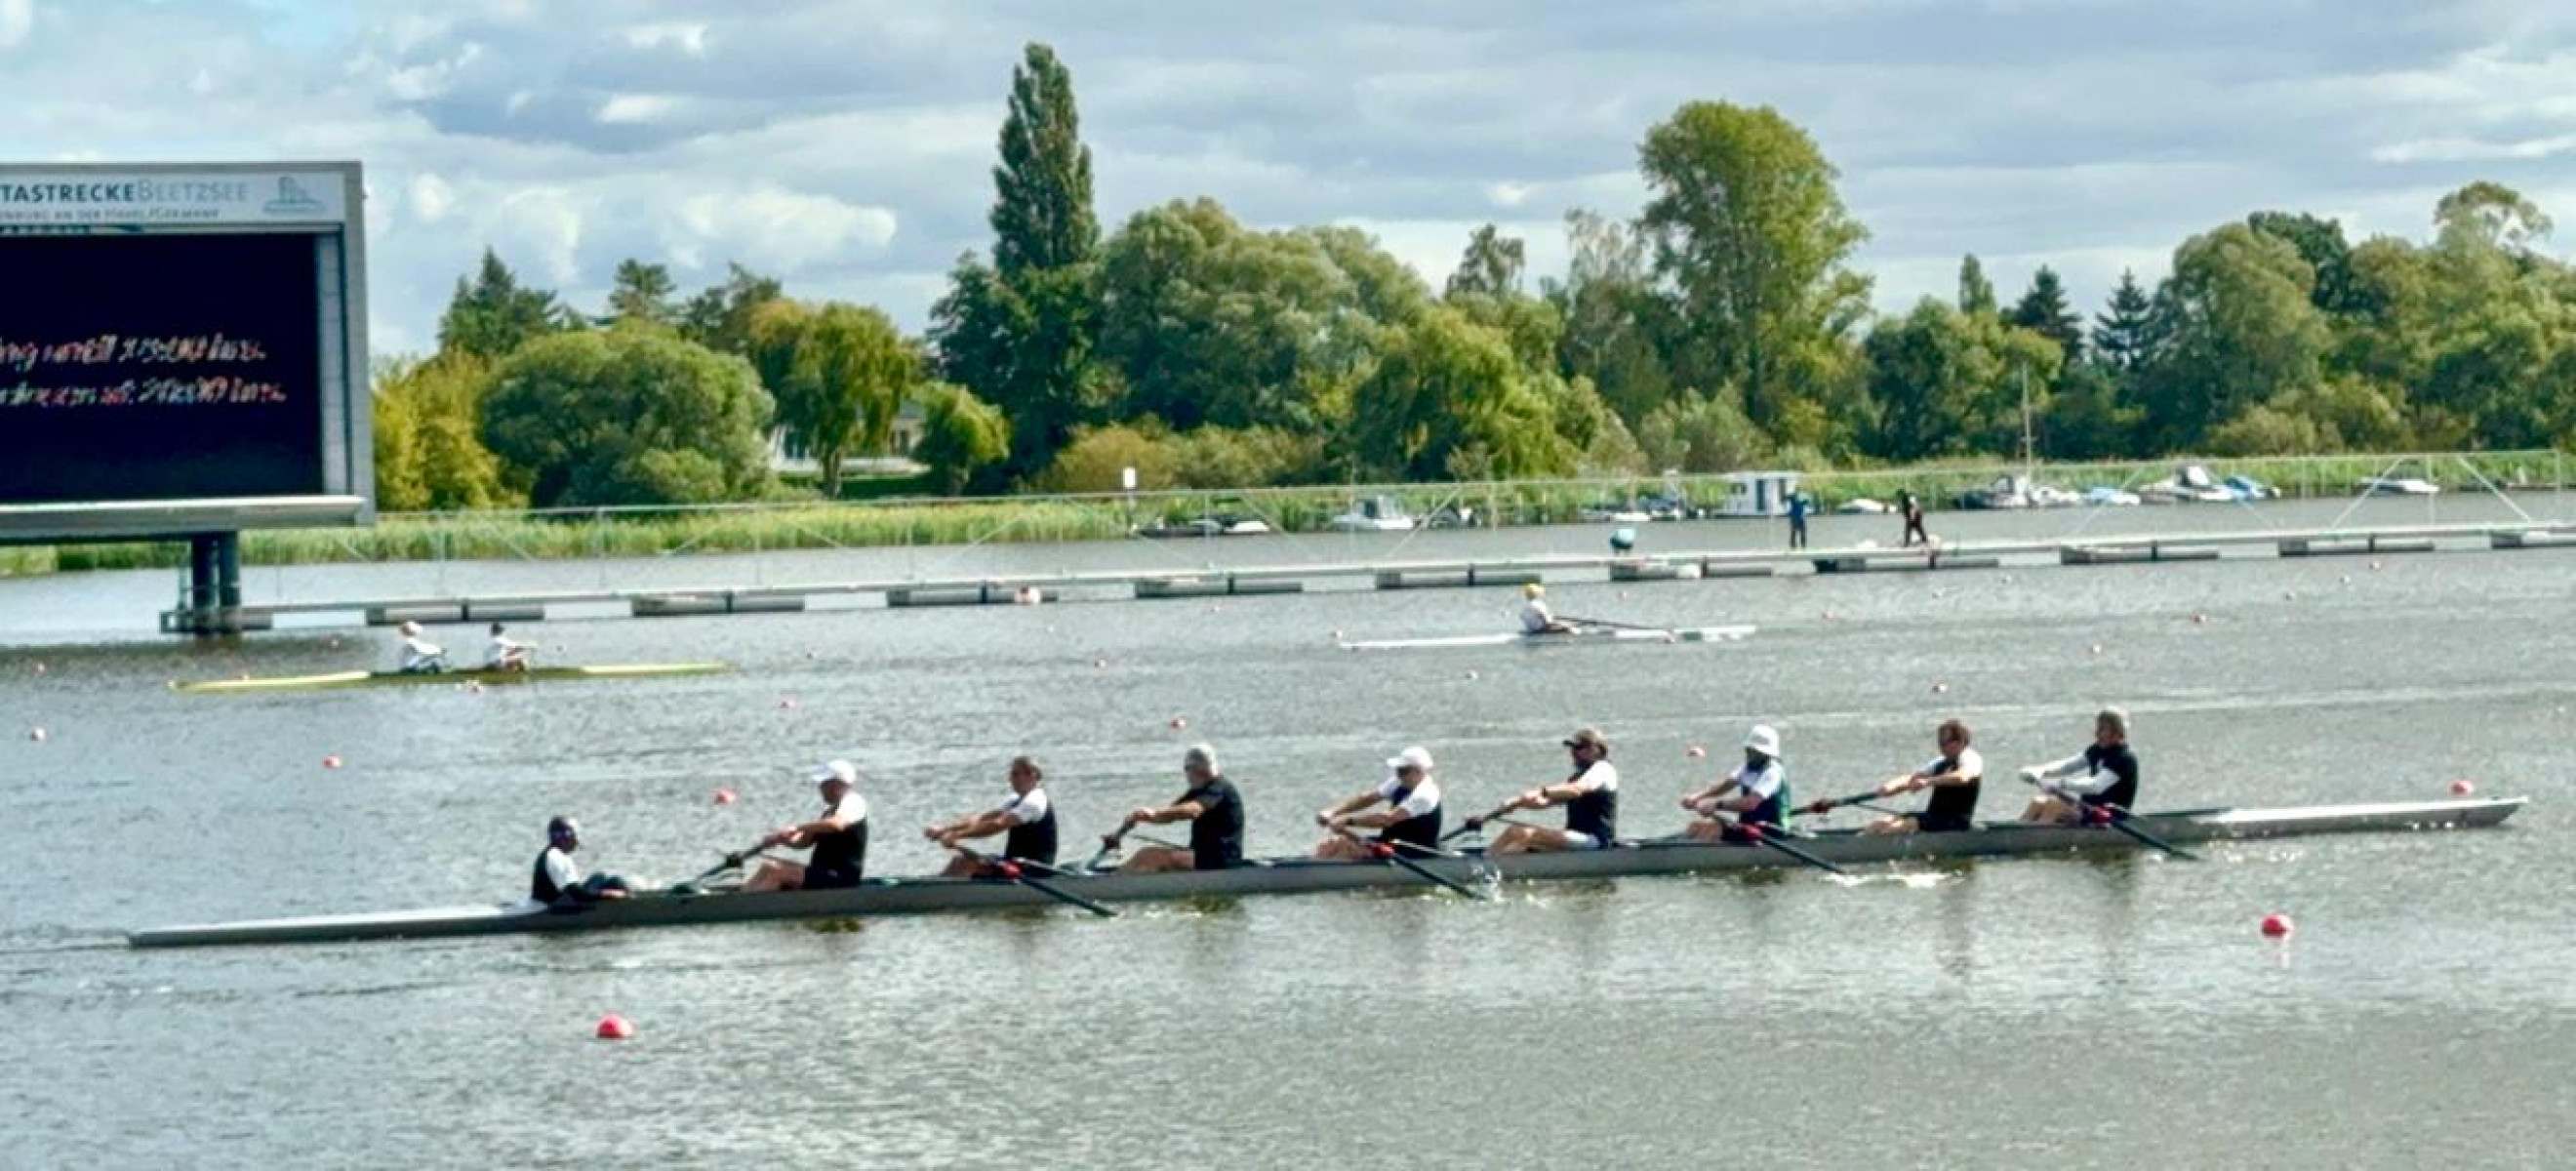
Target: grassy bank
(854, 524)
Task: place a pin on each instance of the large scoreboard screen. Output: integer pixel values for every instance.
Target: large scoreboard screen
(159, 368)
(182, 349)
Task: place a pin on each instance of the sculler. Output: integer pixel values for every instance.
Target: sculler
(1535, 618)
(504, 653)
(1027, 820)
(839, 839)
(1756, 792)
(1954, 777)
(1590, 797)
(2104, 774)
(1412, 813)
(559, 881)
(1215, 813)
(419, 655)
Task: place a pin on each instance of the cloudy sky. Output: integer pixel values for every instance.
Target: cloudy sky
(845, 144)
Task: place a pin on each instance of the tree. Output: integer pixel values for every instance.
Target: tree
(719, 317)
(1747, 227)
(1019, 331)
(2088, 416)
(2494, 214)
(1098, 458)
(429, 453)
(1702, 433)
(1613, 320)
(961, 435)
(1492, 265)
(1447, 395)
(2320, 242)
(1976, 293)
(2045, 311)
(640, 294)
(2125, 335)
(838, 374)
(492, 315)
(628, 416)
(2245, 331)
(1951, 383)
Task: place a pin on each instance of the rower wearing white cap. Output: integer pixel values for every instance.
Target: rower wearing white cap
(839, 839)
(419, 655)
(1535, 618)
(1412, 813)
(1590, 797)
(1756, 792)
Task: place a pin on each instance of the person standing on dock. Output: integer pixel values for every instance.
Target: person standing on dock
(1797, 520)
(1954, 777)
(504, 653)
(839, 839)
(1028, 820)
(1411, 816)
(1535, 618)
(559, 882)
(1590, 797)
(2107, 769)
(419, 655)
(1756, 792)
(1215, 813)
(1911, 508)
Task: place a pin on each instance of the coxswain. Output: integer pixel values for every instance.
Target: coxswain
(1954, 777)
(559, 881)
(2104, 776)
(504, 653)
(1590, 796)
(1027, 818)
(1411, 814)
(1756, 792)
(839, 839)
(1535, 618)
(419, 655)
(1215, 813)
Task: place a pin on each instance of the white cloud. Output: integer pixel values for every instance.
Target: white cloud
(628, 109)
(431, 197)
(17, 20)
(688, 38)
(2473, 150)
(780, 231)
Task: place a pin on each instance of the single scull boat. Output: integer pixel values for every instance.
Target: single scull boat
(377, 678)
(1589, 634)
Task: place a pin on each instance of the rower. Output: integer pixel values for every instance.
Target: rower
(1215, 813)
(1535, 618)
(2109, 772)
(504, 653)
(1028, 818)
(1412, 813)
(839, 839)
(1954, 777)
(419, 655)
(559, 882)
(1756, 792)
(1590, 796)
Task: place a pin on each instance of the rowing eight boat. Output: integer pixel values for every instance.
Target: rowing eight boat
(377, 678)
(905, 896)
(1588, 634)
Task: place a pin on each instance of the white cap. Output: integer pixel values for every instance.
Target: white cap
(838, 770)
(1763, 739)
(410, 628)
(1414, 757)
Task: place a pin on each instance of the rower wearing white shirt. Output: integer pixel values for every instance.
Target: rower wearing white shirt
(1028, 820)
(1590, 797)
(504, 653)
(1756, 792)
(419, 655)
(559, 882)
(839, 839)
(1412, 813)
(1535, 618)
(2104, 774)
(1954, 777)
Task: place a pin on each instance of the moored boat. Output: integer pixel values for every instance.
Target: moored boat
(382, 678)
(912, 896)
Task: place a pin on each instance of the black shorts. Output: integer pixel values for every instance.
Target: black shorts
(1214, 862)
(829, 879)
(1925, 823)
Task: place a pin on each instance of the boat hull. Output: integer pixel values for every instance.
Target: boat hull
(1589, 635)
(915, 896)
(396, 678)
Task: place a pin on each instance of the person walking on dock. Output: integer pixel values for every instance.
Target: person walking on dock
(1911, 508)
(1797, 520)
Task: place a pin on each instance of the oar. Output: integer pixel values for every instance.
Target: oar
(1612, 625)
(1827, 805)
(1387, 854)
(731, 862)
(1756, 831)
(1012, 869)
(1477, 822)
(2117, 818)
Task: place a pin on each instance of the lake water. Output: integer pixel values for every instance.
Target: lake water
(2025, 1013)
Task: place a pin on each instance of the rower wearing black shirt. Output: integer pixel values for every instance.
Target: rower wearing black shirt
(1590, 797)
(839, 839)
(1027, 820)
(1954, 777)
(2104, 774)
(558, 881)
(1215, 813)
(1412, 812)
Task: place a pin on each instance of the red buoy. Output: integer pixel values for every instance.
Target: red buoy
(330, 762)
(2278, 926)
(614, 1028)
(1694, 752)
(787, 705)
(2463, 787)
(725, 797)
(1179, 722)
